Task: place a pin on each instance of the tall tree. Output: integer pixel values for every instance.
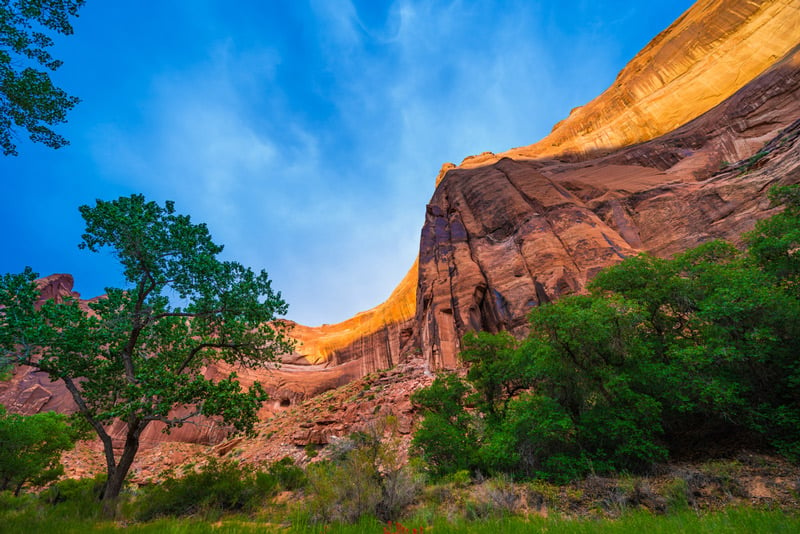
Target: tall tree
(28, 97)
(134, 356)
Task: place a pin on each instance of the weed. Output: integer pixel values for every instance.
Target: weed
(677, 494)
(311, 450)
(750, 163)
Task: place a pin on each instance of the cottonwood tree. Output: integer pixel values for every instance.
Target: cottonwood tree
(135, 357)
(28, 97)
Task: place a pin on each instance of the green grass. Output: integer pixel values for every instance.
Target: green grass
(744, 520)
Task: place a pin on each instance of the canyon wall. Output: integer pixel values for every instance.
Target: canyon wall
(503, 238)
(713, 50)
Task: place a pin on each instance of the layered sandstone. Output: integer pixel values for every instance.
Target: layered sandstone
(704, 57)
(381, 332)
(503, 238)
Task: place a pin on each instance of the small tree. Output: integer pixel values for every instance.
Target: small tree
(28, 98)
(446, 435)
(31, 447)
(496, 370)
(134, 356)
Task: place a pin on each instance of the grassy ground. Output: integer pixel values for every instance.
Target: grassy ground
(749, 493)
(744, 520)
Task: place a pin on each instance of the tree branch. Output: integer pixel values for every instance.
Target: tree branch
(202, 346)
(171, 422)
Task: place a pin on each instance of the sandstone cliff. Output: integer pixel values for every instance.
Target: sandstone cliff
(708, 54)
(714, 49)
(505, 237)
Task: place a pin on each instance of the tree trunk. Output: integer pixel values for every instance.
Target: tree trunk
(118, 472)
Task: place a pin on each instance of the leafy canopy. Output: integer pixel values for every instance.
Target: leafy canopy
(28, 97)
(133, 355)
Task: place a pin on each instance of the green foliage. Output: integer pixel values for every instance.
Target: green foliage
(364, 479)
(446, 436)
(311, 450)
(536, 439)
(31, 447)
(662, 352)
(495, 372)
(218, 487)
(287, 475)
(75, 498)
(28, 97)
(342, 492)
(750, 163)
(134, 356)
(590, 367)
(773, 244)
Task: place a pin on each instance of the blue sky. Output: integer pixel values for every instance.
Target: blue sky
(306, 134)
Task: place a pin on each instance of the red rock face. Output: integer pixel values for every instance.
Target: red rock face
(503, 238)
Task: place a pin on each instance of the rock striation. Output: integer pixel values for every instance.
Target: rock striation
(376, 337)
(508, 236)
(714, 49)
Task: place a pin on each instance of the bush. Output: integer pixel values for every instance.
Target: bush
(446, 436)
(364, 478)
(287, 475)
(75, 498)
(536, 439)
(342, 492)
(217, 487)
(31, 447)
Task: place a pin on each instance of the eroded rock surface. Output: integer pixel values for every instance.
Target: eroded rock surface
(712, 51)
(503, 238)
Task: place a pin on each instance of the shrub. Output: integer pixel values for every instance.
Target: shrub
(76, 498)
(31, 447)
(365, 478)
(446, 436)
(341, 492)
(218, 487)
(677, 494)
(287, 475)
